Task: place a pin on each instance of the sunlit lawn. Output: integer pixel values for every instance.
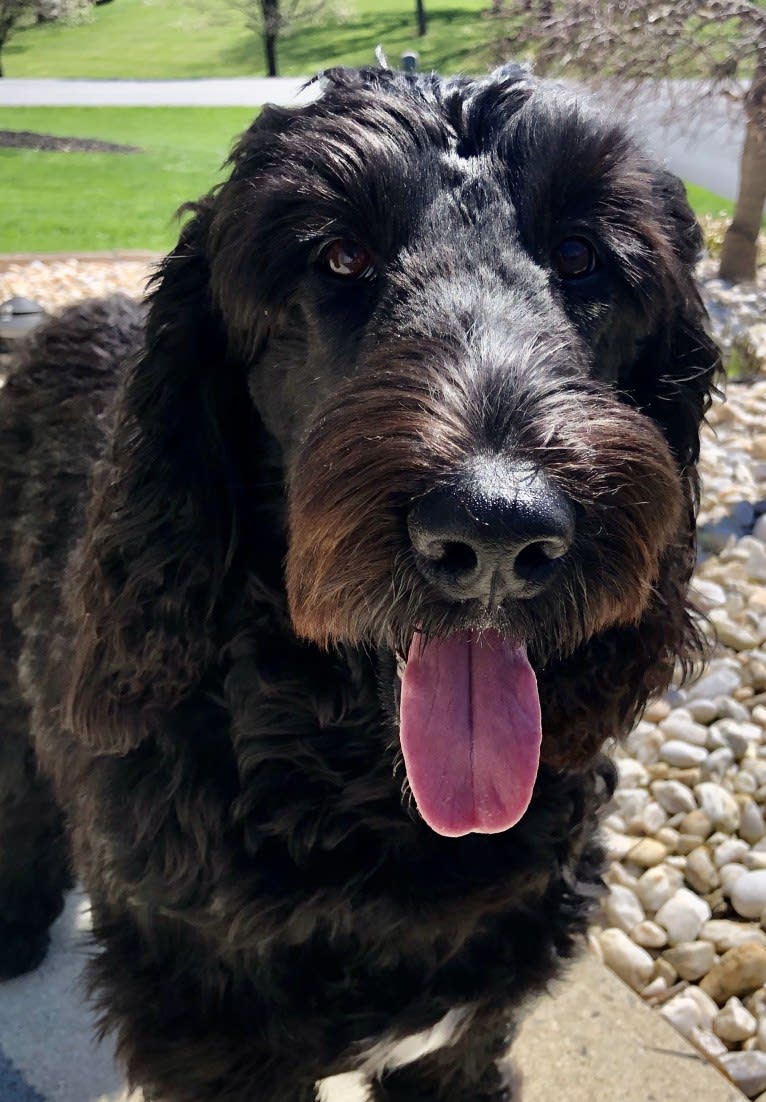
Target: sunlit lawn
(83, 201)
(180, 38)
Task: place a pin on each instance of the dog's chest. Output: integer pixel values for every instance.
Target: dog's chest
(390, 1053)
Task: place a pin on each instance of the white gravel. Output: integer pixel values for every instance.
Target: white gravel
(698, 875)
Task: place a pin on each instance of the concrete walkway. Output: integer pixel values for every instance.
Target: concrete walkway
(223, 92)
(591, 1039)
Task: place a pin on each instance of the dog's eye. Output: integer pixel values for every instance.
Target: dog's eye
(347, 259)
(574, 258)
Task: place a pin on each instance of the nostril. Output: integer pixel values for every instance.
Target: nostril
(539, 558)
(448, 558)
(458, 558)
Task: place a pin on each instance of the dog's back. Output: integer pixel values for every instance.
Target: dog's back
(53, 414)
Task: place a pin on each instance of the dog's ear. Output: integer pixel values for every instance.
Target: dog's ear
(163, 521)
(167, 513)
(680, 362)
(598, 692)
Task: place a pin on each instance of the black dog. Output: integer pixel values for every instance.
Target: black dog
(324, 605)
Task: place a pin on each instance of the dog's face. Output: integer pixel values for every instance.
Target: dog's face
(467, 317)
(458, 302)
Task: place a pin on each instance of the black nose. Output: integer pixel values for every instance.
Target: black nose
(499, 530)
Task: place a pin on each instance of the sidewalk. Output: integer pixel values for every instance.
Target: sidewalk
(221, 92)
(592, 1040)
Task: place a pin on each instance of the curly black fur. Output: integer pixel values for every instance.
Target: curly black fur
(220, 729)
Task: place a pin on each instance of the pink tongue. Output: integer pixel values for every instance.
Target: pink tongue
(470, 732)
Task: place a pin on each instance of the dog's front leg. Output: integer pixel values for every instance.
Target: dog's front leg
(475, 1068)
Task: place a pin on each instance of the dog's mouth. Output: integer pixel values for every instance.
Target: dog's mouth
(470, 730)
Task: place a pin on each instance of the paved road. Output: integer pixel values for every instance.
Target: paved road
(703, 144)
(707, 155)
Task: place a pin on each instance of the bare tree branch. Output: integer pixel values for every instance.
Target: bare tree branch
(626, 44)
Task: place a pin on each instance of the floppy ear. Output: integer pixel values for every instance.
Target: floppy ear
(681, 363)
(163, 521)
(601, 690)
(175, 498)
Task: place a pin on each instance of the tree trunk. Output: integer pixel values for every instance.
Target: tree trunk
(740, 245)
(271, 27)
(421, 13)
(6, 26)
(271, 54)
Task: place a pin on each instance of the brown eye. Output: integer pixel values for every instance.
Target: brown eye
(574, 258)
(346, 259)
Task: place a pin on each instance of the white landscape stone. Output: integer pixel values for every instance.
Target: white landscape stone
(700, 870)
(747, 1069)
(702, 710)
(647, 853)
(725, 934)
(630, 801)
(756, 561)
(631, 963)
(744, 783)
(673, 796)
(718, 761)
(729, 874)
(632, 773)
(618, 874)
(683, 915)
(707, 1007)
(761, 1034)
(734, 1022)
(710, 594)
(682, 754)
(718, 804)
(696, 822)
(617, 845)
(707, 1042)
(748, 894)
(731, 634)
(649, 935)
(650, 820)
(683, 1014)
(720, 680)
(692, 959)
(658, 885)
(732, 850)
(622, 908)
(657, 986)
(738, 734)
(680, 725)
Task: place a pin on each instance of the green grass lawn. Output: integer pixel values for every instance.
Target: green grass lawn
(706, 203)
(83, 201)
(92, 201)
(178, 38)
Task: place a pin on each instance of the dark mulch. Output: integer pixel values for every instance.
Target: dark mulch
(47, 143)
